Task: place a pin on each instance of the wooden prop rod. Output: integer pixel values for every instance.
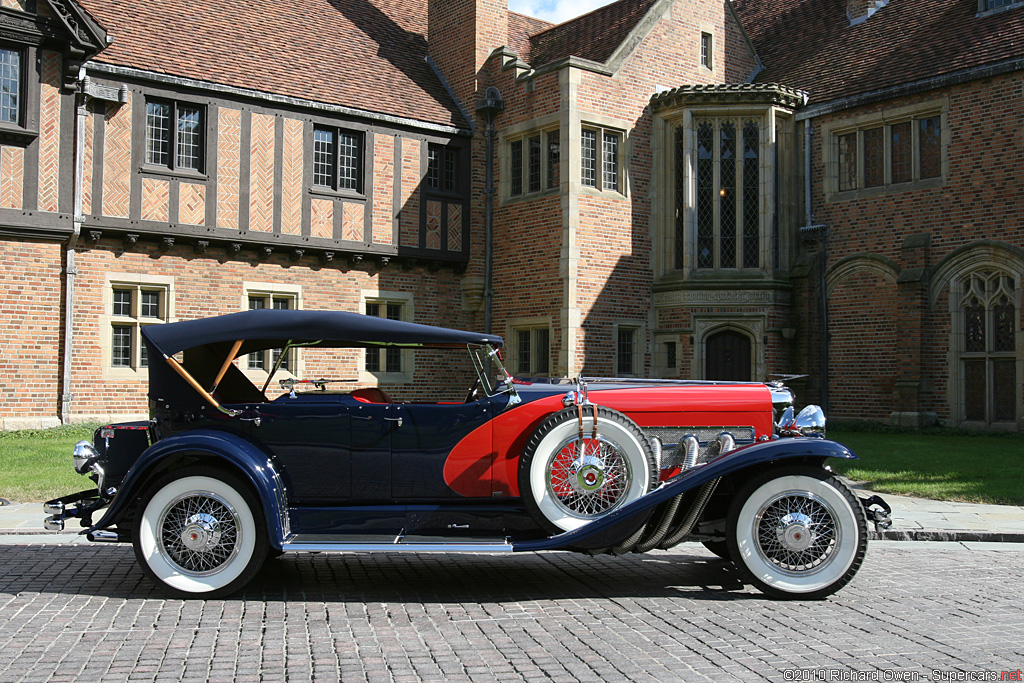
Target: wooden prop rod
(227, 364)
(195, 385)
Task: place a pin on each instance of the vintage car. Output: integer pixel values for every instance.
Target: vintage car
(224, 475)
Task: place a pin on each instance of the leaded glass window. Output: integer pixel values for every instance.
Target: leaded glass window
(624, 352)
(902, 151)
(387, 359)
(10, 86)
(988, 358)
(884, 154)
(681, 180)
(534, 156)
(874, 157)
(554, 158)
(442, 168)
(588, 158)
(728, 201)
(133, 306)
(751, 195)
(705, 195)
(174, 135)
(610, 162)
(516, 167)
(337, 159)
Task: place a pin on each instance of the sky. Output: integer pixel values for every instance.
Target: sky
(555, 11)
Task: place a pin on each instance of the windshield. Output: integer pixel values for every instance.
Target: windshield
(493, 376)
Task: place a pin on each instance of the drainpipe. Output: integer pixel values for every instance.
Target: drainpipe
(822, 231)
(489, 107)
(70, 268)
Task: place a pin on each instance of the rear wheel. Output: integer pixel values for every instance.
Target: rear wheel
(199, 532)
(566, 482)
(797, 532)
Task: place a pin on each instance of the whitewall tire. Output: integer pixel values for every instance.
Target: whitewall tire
(565, 487)
(797, 532)
(200, 533)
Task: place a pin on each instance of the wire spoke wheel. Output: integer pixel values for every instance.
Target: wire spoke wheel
(199, 533)
(567, 480)
(589, 478)
(797, 532)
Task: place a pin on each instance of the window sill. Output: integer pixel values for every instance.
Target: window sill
(895, 188)
(175, 173)
(336, 194)
(527, 196)
(587, 190)
(16, 135)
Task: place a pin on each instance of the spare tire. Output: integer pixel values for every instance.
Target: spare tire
(563, 489)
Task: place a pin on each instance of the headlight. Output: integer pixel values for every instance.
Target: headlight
(84, 456)
(810, 421)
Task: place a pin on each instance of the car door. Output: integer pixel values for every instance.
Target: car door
(309, 436)
(423, 436)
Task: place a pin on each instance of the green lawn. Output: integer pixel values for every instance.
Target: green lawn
(937, 463)
(35, 465)
(942, 464)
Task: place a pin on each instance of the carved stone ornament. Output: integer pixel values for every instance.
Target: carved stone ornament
(723, 297)
(235, 247)
(201, 246)
(129, 240)
(327, 256)
(297, 254)
(166, 243)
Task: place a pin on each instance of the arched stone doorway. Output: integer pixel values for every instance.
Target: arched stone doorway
(727, 356)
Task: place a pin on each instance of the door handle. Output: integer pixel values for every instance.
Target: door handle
(394, 419)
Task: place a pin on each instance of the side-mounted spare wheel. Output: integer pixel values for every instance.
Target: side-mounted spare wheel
(200, 532)
(797, 532)
(565, 482)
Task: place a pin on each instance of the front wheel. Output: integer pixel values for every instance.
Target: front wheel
(199, 532)
(797, 532)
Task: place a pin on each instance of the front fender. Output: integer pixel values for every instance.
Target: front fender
(745, 457)
(245, 456)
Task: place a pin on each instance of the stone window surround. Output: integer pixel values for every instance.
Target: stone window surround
(136, 282)
(659, 365)
(600, 125)
(271, 290)
(639, 328)
(523, 131)
(709, 31)
(956, 343)
(516, 325)
(406, 301)
(831, 130)
(664, 215)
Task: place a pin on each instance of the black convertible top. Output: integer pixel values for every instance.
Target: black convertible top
(269, 328)
(207, 376)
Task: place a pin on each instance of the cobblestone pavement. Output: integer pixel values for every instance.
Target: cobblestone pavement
(86, 613)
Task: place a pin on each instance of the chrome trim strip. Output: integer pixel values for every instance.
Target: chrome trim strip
(502, 547)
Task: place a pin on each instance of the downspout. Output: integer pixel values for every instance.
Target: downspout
(489, 108)
(822, 230)
(70, 268)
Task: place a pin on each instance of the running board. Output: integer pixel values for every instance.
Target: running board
(397, 546)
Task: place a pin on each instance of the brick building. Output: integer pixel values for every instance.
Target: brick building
(681, 188)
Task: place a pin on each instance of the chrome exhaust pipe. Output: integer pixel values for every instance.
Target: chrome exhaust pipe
(54, 507)
(103, 537)
(53, 524)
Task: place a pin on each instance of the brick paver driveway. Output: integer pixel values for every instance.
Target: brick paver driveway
(85, 613)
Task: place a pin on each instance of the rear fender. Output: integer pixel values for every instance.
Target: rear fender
(207, 446)
(742, 463)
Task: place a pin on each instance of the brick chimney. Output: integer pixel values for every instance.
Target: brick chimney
(460, 36)
(858, 11)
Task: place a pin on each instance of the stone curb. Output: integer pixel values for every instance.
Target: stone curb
(946, 535)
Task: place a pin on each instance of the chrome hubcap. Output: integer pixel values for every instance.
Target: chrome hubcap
(199, 533)
(202, 533)
(588, 478)
(797, 533)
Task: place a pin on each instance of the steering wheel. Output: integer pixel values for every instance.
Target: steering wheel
(474, 392)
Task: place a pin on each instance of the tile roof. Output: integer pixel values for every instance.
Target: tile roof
(366, 54)
(520, 28)
(594, 36)
(809, 44)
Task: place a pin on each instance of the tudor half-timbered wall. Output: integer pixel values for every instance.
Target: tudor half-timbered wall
(200, 202)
